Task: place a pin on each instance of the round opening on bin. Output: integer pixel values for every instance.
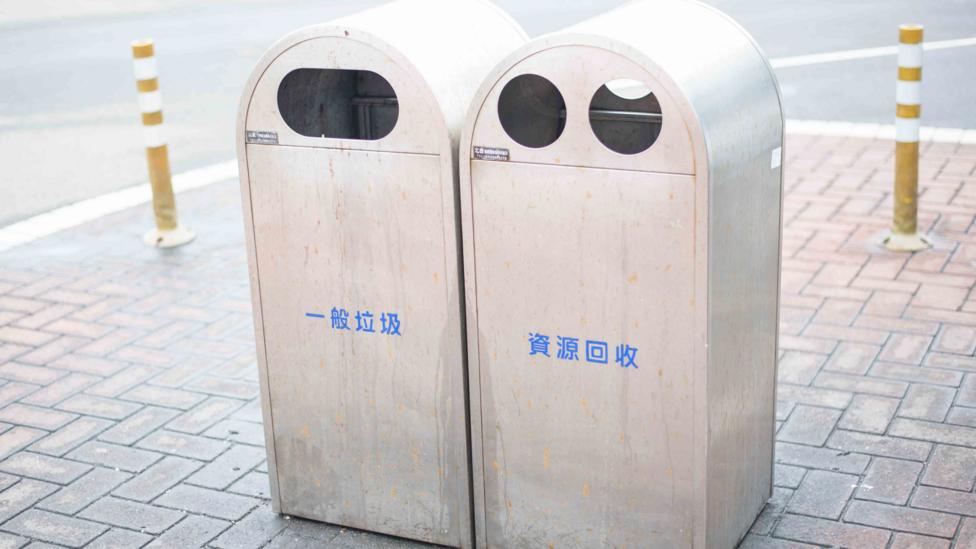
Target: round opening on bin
(338, 104)
(532, 111)
(625, 116)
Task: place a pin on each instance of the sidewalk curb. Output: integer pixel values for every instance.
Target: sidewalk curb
(39, 226)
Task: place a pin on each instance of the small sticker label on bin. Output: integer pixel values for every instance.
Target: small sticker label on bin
(263, 138)
(491, 153)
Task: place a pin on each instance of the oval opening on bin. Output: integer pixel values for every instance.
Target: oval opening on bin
(532, 111)
(625, 116)
(338, 104)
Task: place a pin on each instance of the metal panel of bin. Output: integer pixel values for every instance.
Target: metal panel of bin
(347, 137)
(621, 202)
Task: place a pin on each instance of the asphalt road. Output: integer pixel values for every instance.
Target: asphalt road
(69, 123)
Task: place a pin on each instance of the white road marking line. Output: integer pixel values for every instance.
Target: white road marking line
(866, 53)
(28, 230)
(48, 223)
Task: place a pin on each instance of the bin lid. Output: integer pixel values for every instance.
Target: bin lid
(415, 62)
(714, 97)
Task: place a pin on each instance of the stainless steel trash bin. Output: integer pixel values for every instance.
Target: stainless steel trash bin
(347, 139)
(621, 190)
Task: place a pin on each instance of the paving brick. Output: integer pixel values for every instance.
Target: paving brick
(814, 396)
(960, 340)
(65, 439)
(967, 392)
(250, 412)
(939, 297)
(224, 387)
(34, 416)
(16, 438)
(821, 458)
(869, 413)
(788, 476)
(54, 528)
(916, 374)
(934, 432)
(809, 425)
(204, 415)
(877, 445)
(77, 328)
(951, 467)
(138, 425)
(45, 316)
(116, 538)
(915, 541)
(10, 541)
(193, 531)
(230, 466)
(131, 515)
(82, 492)
(35, 375)
(184, 445)
(122, 381)
(823, 494)
(21, 496)
(256, 529)
(929, 402)
(884, 303)
(838, 311)
(113, 455)
(966, 539)
(202, 501)
(99, 406)
(14, 391)
(241, 432)
(164, 396)
(170, 333)
(844, 333)
(256, 485)
(917, 521)
(88, 365)
(41, 467)
(110, 342)
(53, 350)
(826, 532)
(21, 336)
(961, 416)
(889, 481)
(799, 368)
(155, 480)
(941, 499)
(789, 342)
(861, 384)
(905, 348)
(148, 357)
(60, 390)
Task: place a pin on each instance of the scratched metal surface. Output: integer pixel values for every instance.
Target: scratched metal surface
(573, 239)
(367, 429)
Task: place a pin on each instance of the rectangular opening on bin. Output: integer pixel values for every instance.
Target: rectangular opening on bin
(338, 103)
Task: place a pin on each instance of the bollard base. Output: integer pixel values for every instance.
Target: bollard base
(169, 239)
(906, 242)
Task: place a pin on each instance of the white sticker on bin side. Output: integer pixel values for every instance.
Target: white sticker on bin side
(777, 158)
(491, 153)
(262, 138)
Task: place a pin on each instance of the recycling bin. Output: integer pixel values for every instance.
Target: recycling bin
(621, 204)
(347, 142)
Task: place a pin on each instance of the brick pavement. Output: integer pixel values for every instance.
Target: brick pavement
(128, 395)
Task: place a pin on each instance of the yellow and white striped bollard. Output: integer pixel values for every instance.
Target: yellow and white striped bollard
(168, 232)
(904, 235)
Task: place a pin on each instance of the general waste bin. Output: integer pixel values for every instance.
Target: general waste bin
(347, 138)
(621, 190)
